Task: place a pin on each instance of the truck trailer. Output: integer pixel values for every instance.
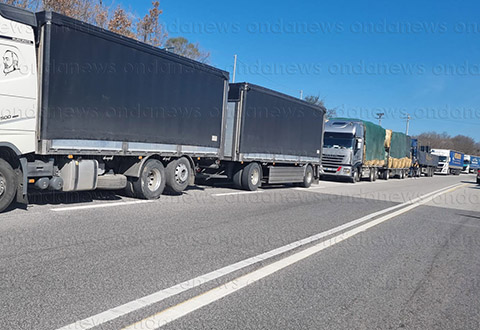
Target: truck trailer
(450, 161)
(399, 155)
(83, 108)
(474, 164)
(269, 137)
(423, 161)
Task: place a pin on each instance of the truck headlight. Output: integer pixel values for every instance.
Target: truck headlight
(346, 170)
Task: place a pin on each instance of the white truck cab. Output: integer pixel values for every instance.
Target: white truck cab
(18, 83)
(466, 164)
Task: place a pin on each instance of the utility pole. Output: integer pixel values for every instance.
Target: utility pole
(380, 115)
(301, 94)
(408, 122)
(234, 68)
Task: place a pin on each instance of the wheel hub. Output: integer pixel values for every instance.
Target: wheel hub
(309, 176)
(255, 177)
(154, 179)
(181, 173)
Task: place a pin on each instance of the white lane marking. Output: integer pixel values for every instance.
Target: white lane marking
(97, 206)
(239, 193)
(310, 189)
(173, 313)
(161, 295)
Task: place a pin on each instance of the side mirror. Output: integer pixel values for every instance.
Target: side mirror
(359, 144)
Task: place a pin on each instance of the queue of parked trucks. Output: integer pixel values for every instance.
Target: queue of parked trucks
(83, 108)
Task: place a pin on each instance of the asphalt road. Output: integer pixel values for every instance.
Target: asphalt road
(410, 261)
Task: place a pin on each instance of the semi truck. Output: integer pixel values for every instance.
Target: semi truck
(83, 108)
(355, 149)
(474, 164)
(423, 161)
(450, 161)
(466, 164)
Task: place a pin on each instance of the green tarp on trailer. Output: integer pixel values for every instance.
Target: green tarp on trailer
(401, 145)
(374, 140)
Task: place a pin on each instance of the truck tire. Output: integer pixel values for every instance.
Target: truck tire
(8, 185)
(386, 175)
(375, 175)
(177, 175)
(237, 176)
(252, 177)
(308, 178)
(355, 176)
(151, 183)
(371, 176)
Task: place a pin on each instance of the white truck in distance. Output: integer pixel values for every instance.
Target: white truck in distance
(450, 162)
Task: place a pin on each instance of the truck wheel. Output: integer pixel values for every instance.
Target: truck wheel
(371, 176)
(308, 178)
(151, 183)
(177, 175)
(386, 175)
(355, 176)
(375, 175)
(252, 177)
(8, 185)
(237, 176)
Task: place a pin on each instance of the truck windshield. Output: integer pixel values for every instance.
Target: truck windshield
(338, 140)
(443, 159)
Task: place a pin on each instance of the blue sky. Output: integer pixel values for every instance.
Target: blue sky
(362, 57)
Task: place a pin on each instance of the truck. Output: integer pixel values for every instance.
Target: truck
(466, 164)
(355, 149)
(83, 108)
(269, 137)
(423, 161)
(474, 164)
(450, 161)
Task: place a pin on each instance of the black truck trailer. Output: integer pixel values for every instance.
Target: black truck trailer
(88, 109)
(423, 161)
(269, 137)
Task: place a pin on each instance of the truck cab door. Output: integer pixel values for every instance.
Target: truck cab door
(18, 85)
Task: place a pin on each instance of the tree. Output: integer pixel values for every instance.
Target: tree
(149, 29)
(121, 23)
(82, 10)
(102, 15)
(182, 46)
(460, 143)
(24, 4)
(317, 100)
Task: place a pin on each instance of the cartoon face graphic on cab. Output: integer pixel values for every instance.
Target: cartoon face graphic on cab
(10, 62)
